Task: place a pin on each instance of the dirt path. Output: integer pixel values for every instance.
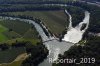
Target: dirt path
(18, 58)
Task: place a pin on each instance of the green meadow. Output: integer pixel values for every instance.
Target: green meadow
(13, 29)
(2, 36)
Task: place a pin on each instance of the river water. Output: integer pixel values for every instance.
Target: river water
(74, 35)
(55, 47)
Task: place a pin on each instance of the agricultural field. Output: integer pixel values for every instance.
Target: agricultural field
(2, 36)
(12, 29)
(16, 63)
(16, 26)
(11, 32)
(52, 19)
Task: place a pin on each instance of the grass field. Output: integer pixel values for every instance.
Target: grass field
(55, 20)
(19, 59)
(17, 63)
(12, 41)
(18, 29)
(9, 55)
(2, 36)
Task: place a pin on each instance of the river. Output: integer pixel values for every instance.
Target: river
(54, 46)
(74, 35)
